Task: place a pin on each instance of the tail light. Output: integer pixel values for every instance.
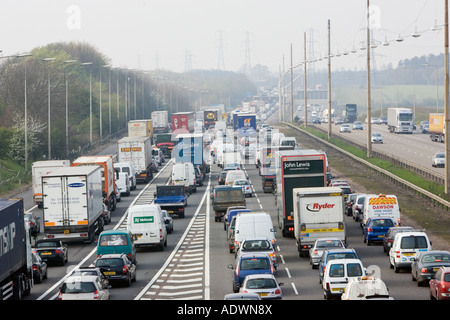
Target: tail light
(315, 251)
(124, 269)
(369, 229)
(60, 296)
(160, 233)
(35, 267)
(397, 254)
(57, 251)
(96, 296)
(244, 291)
(424, 270)
(278, 291)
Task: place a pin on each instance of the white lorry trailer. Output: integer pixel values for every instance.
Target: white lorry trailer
(41, 168)
(73, 203)
(138, 151)
(318, 213)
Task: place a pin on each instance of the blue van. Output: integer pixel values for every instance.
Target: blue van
(117, 241)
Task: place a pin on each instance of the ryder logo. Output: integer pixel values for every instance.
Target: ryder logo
(316, 207)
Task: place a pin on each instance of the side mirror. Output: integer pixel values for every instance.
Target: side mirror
(230, 266)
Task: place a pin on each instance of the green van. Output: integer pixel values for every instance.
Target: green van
(117, 241)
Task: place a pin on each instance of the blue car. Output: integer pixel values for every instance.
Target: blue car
(334, 254)
(251, 263)
(376, 229)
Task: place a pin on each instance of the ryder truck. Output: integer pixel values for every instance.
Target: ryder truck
(318, 213)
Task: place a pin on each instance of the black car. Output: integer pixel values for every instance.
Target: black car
(52, 250)
(222, 177)
(35, 224)
(117, 267)
(39, 268)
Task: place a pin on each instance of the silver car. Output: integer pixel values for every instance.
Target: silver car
(84, 288)
(247, 189)
(315, 253)
(438, 159)
(265, 285)
(377, 137)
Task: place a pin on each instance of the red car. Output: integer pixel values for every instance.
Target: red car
(440, 284)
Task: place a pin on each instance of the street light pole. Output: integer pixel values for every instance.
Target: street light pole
(67, 106)
(49, 114)
(369, 124)
(90, 98)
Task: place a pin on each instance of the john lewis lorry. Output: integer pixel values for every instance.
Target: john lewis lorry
(318, 213)
(73, 203)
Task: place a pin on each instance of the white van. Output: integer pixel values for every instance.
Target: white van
(337, 274)
(380, 206)
(128, 168)
(184, 174)
(288, 141)
(253, 225)
(234, 175)
(405, 247)
(123, 183)
(146, 224)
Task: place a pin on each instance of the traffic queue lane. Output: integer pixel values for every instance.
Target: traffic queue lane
(150, 260)
(300, 281)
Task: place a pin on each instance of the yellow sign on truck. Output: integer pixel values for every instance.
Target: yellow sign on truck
(381, 206)
(437, 127)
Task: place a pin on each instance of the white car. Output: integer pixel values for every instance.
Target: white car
(247, 189)
(345, 127)
(338, 273)
(376, 137)
(438, 159)
(84, 288)
(265, 285)
(366, 288)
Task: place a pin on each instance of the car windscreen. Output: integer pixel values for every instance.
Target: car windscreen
(47, 244)
(255, 245)
(110, 262)
(342, 255)
(328, 243)
(261, 283)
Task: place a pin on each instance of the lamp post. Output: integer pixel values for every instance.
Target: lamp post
(49, 115)
(26, 110)
(67, 106)
(90, 99)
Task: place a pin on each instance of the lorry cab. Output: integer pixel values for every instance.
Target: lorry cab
(184, 174)
(117, 241)
(146, 224)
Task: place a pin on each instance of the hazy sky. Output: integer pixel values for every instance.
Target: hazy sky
(168, 34)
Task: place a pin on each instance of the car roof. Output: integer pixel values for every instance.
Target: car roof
(327, 239)
(254, 255)
(337, 250)
(81, 278)
(345, 261)
(111, 255)
(114, 231)
(260, 275)
(242, 296)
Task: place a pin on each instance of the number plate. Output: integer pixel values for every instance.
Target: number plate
(66, 231)
(46, 253)
(409, 254)
(109, 273)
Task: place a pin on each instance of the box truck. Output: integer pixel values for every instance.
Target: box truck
(211, 116)
(108, 176)
(183, 122)
(140, 128)
(73, 203)
(318, 213)
(16, 275)
(138, 151)
(41, 168)
(191, 148)
(160, 121)
(437, 127)
(296, 169)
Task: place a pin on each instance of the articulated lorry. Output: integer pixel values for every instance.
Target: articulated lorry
(437, 127)
(73, 203)
(400, 120)
(138, 151)
(171, 198)
(318, 213)
(108, 176)
(164, 142)
(183, 122)
(41, 168)
(16, 274)
(296, 169)
(191, 148)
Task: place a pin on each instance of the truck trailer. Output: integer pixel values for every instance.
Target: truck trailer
(437, 127)
(16, 274)
(183, 122)
(73, 203)
(160, 121)
(138, 151)
(108, 176)
(318, 213)
(140, 128)
(41, 168)
(296, 169)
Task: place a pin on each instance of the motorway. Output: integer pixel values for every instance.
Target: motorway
(193, 266)
(416, 147)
